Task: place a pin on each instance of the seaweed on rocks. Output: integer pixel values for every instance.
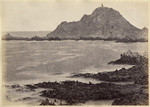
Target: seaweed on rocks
(74, 92)
(140, 98)
(137, 74)
(47, 102)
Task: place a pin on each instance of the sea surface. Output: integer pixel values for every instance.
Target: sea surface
(29, 62)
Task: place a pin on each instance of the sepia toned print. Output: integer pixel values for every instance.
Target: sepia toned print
(75, 53)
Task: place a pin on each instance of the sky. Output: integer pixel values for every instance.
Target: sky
(47, 15)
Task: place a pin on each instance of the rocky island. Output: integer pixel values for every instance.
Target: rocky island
(9, 37)
(103, 24)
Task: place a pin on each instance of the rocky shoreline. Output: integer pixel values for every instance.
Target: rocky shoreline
(105, 24)
(75, 92)
(138, 74)
(131, 58)
(8, 37)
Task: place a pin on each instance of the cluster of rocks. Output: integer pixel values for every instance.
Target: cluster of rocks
(132, 58)
(74, 92)
(47, 102)
(128, 39)
(9, 37)
(35, 38)
(138, 74)
(139, 98)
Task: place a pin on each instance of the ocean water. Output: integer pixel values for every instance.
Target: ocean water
(28, 62)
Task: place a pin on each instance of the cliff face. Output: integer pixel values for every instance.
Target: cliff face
(103, 23)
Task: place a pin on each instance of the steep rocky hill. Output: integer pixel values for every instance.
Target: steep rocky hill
(103, 23)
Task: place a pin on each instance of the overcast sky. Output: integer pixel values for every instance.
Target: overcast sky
(46, 16)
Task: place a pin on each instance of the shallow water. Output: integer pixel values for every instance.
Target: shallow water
(27, 62)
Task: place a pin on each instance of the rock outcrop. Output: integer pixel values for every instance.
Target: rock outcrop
(103, 23)
(138, 98)
(37, 38)
(132, 58)
(138, 74)
(9, 37)
(74, 92)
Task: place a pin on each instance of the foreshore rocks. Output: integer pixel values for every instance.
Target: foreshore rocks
(137, 74)
(74, 92)
(132, 58)
(140, 98)
(47, 102)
